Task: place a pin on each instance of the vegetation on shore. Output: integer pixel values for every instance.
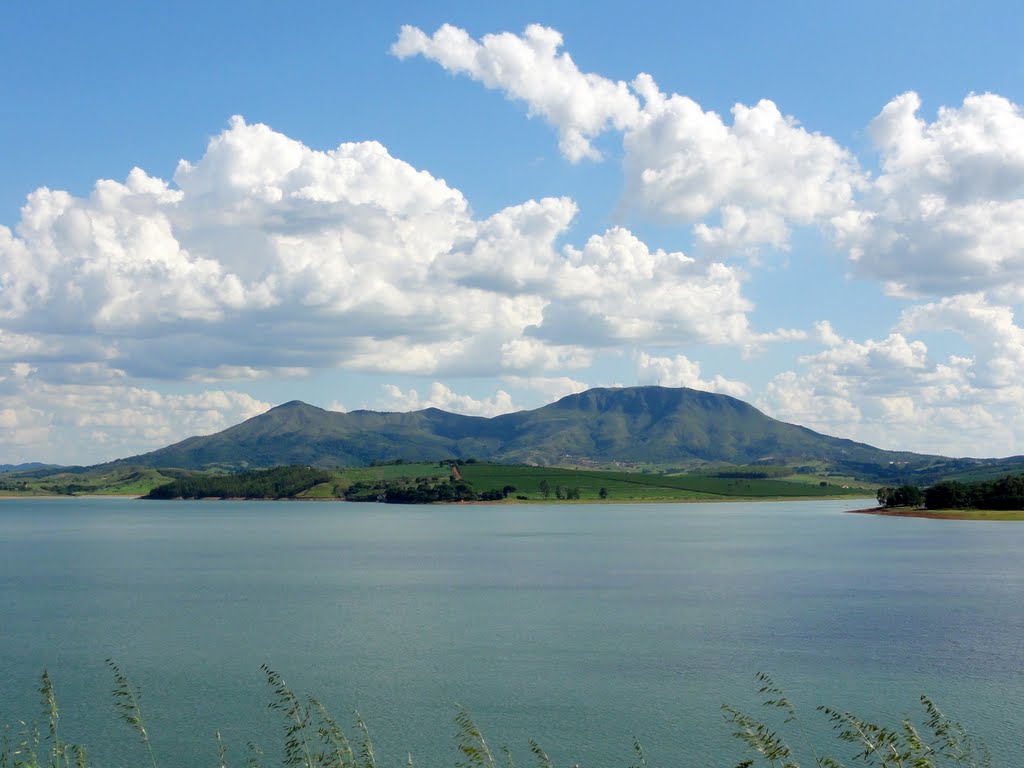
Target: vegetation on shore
(108, 481)
(277, 483)
(998, 499)
(455, 480)
(451, 481)
(312, 738)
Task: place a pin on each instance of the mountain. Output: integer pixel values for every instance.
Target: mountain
(658, 425)
(29, 466)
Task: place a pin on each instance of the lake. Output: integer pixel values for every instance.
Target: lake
(579, 626)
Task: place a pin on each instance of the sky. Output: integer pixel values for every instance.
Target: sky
(208, 209)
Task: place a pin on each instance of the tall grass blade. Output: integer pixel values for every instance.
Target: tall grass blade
(543, 761)
(365, 746)
(222, 750)
(255, 756)
(336, 750)
(471, 743)
(126, 702)
(297, 719)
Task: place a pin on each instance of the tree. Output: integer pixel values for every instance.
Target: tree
(949, 494)
(545, 488)
(904, 496)
(603, 493)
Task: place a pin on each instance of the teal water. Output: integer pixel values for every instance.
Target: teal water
(578, 626)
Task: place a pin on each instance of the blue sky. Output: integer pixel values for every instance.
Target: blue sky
(210, 208)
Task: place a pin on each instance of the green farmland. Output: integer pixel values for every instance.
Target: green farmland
(438, 481)
(639, 486)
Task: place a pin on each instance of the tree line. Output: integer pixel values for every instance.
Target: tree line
(276, 483)
(1003, 493)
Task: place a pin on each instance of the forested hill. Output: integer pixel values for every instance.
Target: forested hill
(657, 425)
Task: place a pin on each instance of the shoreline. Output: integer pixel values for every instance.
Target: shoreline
(715, 500)
(70, 496)
(942, 514)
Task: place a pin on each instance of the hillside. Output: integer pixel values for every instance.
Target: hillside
(649, 425)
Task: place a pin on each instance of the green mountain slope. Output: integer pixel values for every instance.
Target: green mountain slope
(297, 433)
(663, 425)
(656, 425)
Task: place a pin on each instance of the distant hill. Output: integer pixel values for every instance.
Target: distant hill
(29, 466)
(651, 425)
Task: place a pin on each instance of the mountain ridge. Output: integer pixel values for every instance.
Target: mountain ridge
(653, 425)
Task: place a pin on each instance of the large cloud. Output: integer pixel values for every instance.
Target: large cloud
(893, 393)
(681, 371)
(445, 398)
(268, 256)
(946, 215)
(530, 68)
(745, 184)
(996, 341)
(91, 414)
(742, 185)
(615, 289)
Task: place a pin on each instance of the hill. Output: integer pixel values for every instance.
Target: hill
(666, 427)
(29, 466)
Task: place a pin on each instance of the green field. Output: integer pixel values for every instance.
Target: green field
(120, 481)
(391, 472)
(639, 486)
(584, 484)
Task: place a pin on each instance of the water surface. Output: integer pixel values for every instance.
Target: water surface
(580, 626)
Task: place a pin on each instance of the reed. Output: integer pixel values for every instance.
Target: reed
(312, 738)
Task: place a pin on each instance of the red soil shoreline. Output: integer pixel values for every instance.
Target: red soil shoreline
(955, 514)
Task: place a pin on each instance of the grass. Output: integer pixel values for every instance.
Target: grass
(311, 737)
(620, 486)
(639, 486)
(119, 481)
(841, 481)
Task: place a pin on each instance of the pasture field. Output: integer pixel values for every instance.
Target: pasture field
(528, 481)
(639, 486)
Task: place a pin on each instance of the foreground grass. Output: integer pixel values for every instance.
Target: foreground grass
(311, 737)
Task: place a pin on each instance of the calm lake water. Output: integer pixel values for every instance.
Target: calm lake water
(578, 626)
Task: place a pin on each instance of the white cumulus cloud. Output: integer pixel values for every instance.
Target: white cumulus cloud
(91, 418)
(681, 371)
(267, 258)
(946, 215)
(996, 341)
(616, 289)
(743, 184)
(443, 397)
(529, 68)
(893, 393)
